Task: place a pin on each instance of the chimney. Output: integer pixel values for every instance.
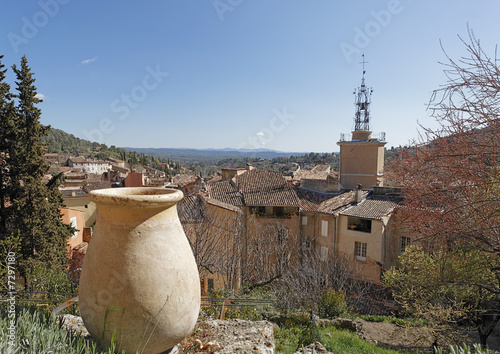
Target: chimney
(359, 193)
(249, 166)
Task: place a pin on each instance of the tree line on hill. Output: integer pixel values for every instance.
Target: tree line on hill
(171, 160)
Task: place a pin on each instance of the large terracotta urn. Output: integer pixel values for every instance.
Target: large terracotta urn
(139, 285)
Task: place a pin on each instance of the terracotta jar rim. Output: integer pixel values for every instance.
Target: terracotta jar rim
(143, 196)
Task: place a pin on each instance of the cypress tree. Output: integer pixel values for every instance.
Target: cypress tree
(8, 140)
(42, 234)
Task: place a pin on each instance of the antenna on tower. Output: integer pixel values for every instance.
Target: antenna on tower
(363, 62)
(362, 102)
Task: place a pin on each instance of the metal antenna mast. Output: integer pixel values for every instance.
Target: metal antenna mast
(362, 101)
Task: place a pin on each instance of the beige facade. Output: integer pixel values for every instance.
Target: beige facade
(76, 219)
(318, 234)
(272, 244)
(361, 162)
(77, 199)
(366, 236)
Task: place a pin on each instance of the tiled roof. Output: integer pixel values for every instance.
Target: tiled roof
(191, 209)
(73, 193)
(338, 203)
(225, 192)
(184, 180)
(309, 200)
(374, 208)
(223, 205)
(320, 171)
(265, 188)
(93, 185)
(119, 169)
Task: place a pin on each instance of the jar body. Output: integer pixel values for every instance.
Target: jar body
(139, 285)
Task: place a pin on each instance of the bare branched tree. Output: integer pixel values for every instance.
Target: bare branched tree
(303, 286)
(214, 233)
(272, 248)
(451, 177)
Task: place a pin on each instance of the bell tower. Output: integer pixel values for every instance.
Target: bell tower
(362, 157)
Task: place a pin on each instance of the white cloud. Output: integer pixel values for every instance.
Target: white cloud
(40, 96)
(260, 136)
(88, 61)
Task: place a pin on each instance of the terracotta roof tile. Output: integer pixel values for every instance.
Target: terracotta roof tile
(310, 200)
(93, 185)
(224, 191)
(374, 208)
(265, 188)
(73, 193)
(191, 209)
(223, 205)
(338, 203)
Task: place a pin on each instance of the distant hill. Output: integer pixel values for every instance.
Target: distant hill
(213, 154)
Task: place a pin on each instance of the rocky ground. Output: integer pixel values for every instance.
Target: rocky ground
(238, 336)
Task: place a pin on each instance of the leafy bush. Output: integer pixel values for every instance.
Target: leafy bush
(295, 330)
(333, 304)
(42, 279)
(465, 349)
(35, 332)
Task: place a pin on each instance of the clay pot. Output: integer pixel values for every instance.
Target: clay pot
(139, 285)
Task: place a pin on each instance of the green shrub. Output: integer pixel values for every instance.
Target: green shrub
(35, 332)
(247, 311)
(464, 349)
(333, 304)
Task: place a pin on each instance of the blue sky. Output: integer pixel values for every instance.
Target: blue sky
(275, 74)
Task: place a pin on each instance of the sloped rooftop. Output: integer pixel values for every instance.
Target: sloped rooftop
(310, 200)
(254, 187)
(338, 203)
(374, 207)
(225, 192)
(265, 188)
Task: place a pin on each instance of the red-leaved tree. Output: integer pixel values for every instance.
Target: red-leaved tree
(451, 176)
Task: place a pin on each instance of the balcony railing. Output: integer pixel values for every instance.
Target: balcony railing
(374, 137)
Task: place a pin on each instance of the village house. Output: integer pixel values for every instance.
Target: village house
(89, 165)
(117, 162)
(321, 178)
(270, 236)
(77, 199)
(365, 234)
(213, 229)
(134, 179)
(51, 158)
(187, 183)
(346, 215)
(74, 218)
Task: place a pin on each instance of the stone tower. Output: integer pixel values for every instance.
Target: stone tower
(362, 157)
